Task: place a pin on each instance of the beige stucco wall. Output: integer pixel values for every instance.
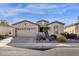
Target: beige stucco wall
(77, 29)
(7, 30)
(22, 29)
(70, 29)
(42, 23)
(60, 28)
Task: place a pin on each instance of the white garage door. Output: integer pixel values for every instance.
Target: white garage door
(25, 33)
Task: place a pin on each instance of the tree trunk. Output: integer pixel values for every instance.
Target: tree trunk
(47, 35)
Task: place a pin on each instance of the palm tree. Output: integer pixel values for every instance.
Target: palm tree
(4, 22)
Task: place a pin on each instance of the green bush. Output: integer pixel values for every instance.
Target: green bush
(2, 37)
(53, 37)
(61, 38)
(67, 35)
(73, 36)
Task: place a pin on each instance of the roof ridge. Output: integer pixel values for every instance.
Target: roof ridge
(57, 22)
(24, 21)
(43, 20)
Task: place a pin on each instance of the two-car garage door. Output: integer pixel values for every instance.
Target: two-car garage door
(25, 33)
(26, 28)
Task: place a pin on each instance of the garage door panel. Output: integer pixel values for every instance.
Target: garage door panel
(26, 33)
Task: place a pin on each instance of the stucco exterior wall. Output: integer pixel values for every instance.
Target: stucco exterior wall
(70, 29)
(5, 30)
(26, 29)
(77, 29)
(42, 23)
(51, 28)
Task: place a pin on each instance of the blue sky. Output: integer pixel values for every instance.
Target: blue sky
(64, 12)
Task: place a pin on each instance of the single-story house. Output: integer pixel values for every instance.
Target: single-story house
(27, 28)
(72, 28)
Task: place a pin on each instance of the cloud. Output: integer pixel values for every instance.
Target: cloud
(41, 6)
(6, 9)
(49, 8)
(34, 9)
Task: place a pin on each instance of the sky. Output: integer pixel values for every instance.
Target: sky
(64, 12)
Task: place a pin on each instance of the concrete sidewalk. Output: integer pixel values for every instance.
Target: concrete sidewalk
(4, 42)
(44, 45)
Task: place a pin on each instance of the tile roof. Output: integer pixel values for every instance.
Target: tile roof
(24, 21)
(6, 25)
(72, 25)
(42, 20)
(56, 22)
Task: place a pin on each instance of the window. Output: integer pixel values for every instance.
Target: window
(56, 29)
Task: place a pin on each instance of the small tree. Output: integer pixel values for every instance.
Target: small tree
(3, 22)
(45, 30)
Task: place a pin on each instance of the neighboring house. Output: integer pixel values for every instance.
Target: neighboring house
(72, 28)
(26, 28)
(7, 30)
(56, 28)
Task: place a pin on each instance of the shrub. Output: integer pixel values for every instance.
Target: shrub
(61, 38)
(2, 36)
(73, 36)
(54, 37)
(67, 35)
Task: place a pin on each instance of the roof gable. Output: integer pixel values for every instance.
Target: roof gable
(56, 22)
(24, 21)
(43, 21)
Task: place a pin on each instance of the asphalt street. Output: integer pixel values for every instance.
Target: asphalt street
(13, 51)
